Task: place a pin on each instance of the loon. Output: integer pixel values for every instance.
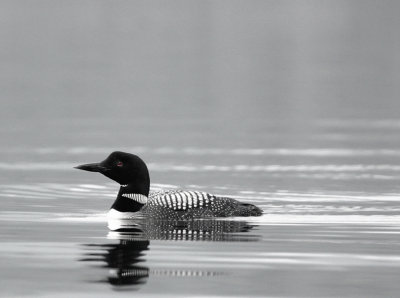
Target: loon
(134, 198)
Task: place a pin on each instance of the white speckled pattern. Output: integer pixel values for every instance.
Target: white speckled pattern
(179, 204)
(181, 200)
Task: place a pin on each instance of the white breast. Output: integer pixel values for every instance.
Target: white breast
(118, 220)
(120, 215)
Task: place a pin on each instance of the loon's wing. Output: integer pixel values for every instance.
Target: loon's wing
(199, 204)
(181, 200)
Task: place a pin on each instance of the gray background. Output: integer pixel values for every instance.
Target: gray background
(290, 105)
(221, 62)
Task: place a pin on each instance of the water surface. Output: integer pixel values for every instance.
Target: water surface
(292, 106)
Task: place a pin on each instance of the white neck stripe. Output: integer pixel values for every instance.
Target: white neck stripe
(136, 197)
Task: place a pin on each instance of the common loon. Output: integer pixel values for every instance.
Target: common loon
(135, 199)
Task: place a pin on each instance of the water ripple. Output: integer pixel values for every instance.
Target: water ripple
(279, 207)
(164, 167)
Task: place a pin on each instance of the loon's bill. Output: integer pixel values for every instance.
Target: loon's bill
(135, 199)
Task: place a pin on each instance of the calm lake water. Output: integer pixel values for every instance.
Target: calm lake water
(290, 105)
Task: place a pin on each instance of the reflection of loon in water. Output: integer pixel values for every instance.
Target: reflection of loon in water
(126, 258)
(122, 260)
(205, 229)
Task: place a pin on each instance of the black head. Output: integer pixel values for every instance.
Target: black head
(124, 168)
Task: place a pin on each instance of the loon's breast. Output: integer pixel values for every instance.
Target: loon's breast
(115, 214)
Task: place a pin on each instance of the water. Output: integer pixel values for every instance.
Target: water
(292, 106)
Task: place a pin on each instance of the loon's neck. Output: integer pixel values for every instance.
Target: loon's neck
(131, 198)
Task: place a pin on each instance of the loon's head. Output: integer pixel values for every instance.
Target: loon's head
(124, 168)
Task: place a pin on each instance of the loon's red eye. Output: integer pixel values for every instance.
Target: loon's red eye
(119, 164)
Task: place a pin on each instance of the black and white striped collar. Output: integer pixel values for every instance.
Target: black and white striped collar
(142, 199)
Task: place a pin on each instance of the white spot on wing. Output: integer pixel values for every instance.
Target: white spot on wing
(174, 201)
(164, 201)
(195, 198)
(190, 200)
(168, 198)
(178, 200)
(184, 200)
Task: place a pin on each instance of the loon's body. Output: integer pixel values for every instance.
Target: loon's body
(135, 199)
(180, 204)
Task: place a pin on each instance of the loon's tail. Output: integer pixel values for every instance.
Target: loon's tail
(247, 210)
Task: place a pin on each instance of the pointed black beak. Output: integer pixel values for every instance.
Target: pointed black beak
(92, 167)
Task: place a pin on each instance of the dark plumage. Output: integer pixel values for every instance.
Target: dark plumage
(134, 197)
